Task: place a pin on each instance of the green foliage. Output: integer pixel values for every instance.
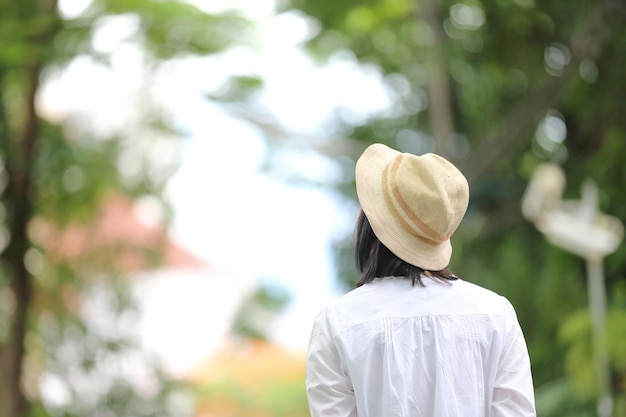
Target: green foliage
(556, 399)
(61, 322)
(94, 360)
(238, 89)
(74, 173)
(284, 399)
(172, 28)
(508, 64)
(576, 332)
(257, 310)
(22, 30)
(575, 335)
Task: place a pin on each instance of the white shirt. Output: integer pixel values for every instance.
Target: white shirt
(390, 349)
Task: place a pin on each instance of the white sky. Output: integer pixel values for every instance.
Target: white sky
(226, 210)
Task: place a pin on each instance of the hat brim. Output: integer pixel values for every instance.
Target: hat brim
(402, 243)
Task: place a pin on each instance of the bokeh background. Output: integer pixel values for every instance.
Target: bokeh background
(177, 191)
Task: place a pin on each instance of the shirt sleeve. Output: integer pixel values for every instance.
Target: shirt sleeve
(513, 394)
(328, 387)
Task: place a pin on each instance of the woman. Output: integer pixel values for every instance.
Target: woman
(412, 339)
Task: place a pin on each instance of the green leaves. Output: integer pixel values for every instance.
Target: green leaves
(173, 28)
(258, 309)
(508, 64)
(57, 174)
(576, 335)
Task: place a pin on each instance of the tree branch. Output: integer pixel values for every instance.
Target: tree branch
(512, 134)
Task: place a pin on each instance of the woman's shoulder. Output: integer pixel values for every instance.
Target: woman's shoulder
(481, 295)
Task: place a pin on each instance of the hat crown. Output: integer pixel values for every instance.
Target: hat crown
(427, 195)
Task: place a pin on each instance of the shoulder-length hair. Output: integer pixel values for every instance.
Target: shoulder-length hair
(374, 260)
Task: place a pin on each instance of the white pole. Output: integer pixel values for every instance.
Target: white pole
(597, 308)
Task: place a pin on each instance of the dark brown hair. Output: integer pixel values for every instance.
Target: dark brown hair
(375, 260)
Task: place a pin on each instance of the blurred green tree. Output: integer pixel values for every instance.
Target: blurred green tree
(257, 311)
(499, 86)
(57, 172)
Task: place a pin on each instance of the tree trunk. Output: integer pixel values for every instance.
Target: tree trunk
(18, 140)
(439, 108)
(18, 197)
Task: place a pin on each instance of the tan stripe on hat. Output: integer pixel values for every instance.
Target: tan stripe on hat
(409, 221)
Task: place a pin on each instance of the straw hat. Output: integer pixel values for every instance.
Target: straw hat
(413, 203)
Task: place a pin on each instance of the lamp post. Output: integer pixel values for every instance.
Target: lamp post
(578, 227)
